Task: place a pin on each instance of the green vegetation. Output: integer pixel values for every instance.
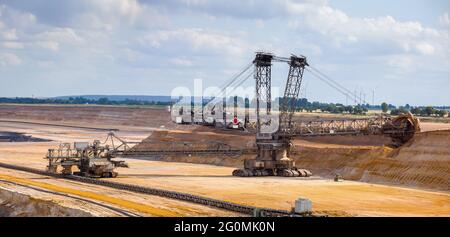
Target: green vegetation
(80, 101)
(304, 105)
(427, 111)
(384, 107)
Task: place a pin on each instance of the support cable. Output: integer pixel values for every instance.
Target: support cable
(223, 88)
(321, 76)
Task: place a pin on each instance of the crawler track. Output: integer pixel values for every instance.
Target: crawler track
(244, 209)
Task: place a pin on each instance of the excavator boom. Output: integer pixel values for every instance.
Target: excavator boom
(273, 134)
(291, 92)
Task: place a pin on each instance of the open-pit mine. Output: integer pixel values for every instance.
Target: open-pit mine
(175, 169)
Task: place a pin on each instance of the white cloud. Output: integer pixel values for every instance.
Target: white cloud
(425, 48)
(259, 23)
(130, 9)
(142, 38)
(12, 45)
(182, 62)
(444, 20)
(9, 34)
(400, 61)
(9, 59)
(334, 25)
(240, 9)
(16, 18)
(64, 35)
(109, 14)
(198, 40)
(45, 64)
(385, 32)
(51, 45)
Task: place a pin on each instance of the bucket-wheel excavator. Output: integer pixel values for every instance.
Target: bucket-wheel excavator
(273, 138)
(275, 129)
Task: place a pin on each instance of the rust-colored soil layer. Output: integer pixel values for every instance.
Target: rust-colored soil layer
(90, 115)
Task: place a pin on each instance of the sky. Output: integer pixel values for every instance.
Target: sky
(392, 51)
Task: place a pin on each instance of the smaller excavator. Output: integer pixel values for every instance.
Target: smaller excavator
(91, 159)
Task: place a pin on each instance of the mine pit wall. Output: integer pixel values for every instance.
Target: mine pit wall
(380, 165)
(89, 115)
(15, 204)
(421, 163)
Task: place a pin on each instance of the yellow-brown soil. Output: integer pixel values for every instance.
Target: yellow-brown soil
(423, 162)
(328, 197)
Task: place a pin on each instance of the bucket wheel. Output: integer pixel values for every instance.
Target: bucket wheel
(403, 128)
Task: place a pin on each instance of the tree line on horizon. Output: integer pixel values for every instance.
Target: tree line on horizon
(427, 111)
(80, 101)
(302, 104)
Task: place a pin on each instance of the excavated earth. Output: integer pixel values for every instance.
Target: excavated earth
(412, 180)
(423, 162)
(89, 114)
(13, 203)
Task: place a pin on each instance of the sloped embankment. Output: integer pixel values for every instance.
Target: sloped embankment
(424, 162)
(15, 204)
(89, 114)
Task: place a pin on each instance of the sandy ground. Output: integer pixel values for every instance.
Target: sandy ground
(341, 198)
(31, 154)
(92, 198)
(429, 126)
(335, 198)
(424, 162)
